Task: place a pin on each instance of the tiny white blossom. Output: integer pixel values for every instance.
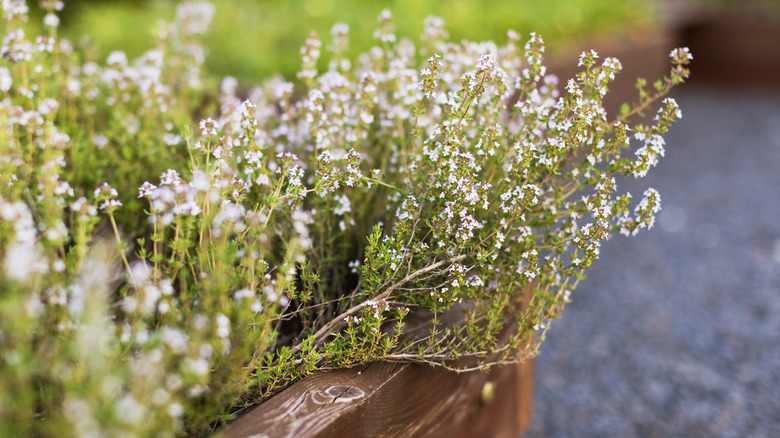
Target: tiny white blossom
(117, 58)
(51, 20)
(5, 79)
(209, 127)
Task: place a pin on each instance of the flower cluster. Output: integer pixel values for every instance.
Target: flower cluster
(160, 270)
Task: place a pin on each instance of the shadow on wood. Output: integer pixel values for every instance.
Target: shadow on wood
(389, 399)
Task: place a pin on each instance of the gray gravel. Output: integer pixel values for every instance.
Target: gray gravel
(676, 332)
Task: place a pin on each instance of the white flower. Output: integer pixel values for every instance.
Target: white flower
(262, 180)
(486, 63)
(51, 20)
(146, 190)
(343, 206)
(257, 306)
(129, 410)
(199, 366)
(48, 106)
(24, 260)
(243, 293)
(229, 86)
(587, 57)
(194, 17)
(109, 204)
(223, 326)
(58, 265)
(681, 52)
(175, 410)
(175, 339)
(117, 58)
(171, 139)
(209, 127)
(5, 79)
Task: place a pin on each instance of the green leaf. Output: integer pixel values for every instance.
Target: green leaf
(624, 109)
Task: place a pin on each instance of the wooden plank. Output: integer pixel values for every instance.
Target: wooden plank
(386, 399)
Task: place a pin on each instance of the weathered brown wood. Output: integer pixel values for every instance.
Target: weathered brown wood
(735, 52)
(385, 399)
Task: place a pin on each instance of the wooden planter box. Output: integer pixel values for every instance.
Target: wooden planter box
(390, 399)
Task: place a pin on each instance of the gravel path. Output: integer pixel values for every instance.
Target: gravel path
(676, 332)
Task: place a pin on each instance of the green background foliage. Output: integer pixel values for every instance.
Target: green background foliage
(255, 39)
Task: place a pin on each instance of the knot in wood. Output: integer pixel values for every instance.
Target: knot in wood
(487, 394)
(341, 393)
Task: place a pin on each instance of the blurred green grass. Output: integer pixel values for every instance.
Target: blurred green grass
(251, 40)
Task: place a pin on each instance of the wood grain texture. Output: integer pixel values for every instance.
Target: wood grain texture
(387, 399)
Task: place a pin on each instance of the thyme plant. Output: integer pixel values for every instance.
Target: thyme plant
(173, 248)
